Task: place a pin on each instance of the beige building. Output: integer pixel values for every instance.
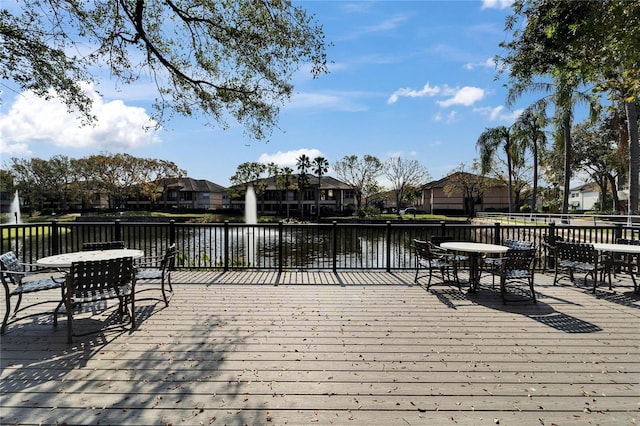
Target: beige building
(454, 194)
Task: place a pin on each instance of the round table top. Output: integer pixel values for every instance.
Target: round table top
(619, 248)
(65, 260)
(471, 247)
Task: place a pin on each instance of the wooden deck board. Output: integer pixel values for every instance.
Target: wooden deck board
(322, 348)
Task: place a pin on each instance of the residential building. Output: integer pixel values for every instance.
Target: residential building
(486, 194)
(584, 197)
(188, 193)
(274, 198)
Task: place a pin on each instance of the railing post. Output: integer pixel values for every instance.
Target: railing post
(497, 237)
(388, 246)
(617, 232)
(443, 228)
(55, 240)
(172, 231)
(226, 245)
(552, 231)
(117, 230)
(334, 249)
(280, 246)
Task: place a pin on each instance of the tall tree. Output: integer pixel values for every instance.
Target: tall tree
(469, 185)
(220, 58)
(359, 173)
(303, 164)
(488, 143)
(250, 173)
(320, 167)
(590, 41)
(405, 175)
(529, 131)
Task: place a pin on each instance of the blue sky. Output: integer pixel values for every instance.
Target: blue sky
(413, 79)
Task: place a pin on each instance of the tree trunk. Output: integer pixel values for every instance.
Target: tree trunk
(566, 131)
(614, 193)
(534, 197)
(634, 156)
(509, 172)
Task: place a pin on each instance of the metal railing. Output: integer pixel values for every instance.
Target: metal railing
(283, 246)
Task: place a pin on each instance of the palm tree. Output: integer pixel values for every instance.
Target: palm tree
(488, 143)
(529, 130)
(303, 165)
(320, 167)
(564, 95)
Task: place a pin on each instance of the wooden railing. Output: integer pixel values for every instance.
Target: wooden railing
(283, 246)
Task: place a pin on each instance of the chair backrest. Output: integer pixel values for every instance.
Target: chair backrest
(426, 250)
(552, 240)
(90, 277)
(169, 259)
(421, 249)
(103, 245)
(9, 262)
(517, 244)
(576, 252)
(519, 259)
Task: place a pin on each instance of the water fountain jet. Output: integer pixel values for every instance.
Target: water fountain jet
(14, 209)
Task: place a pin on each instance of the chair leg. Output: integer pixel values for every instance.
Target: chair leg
(15, 310)
(6, 315)
(164, 295)
(133, 310)
(69, 321)
(533, 292)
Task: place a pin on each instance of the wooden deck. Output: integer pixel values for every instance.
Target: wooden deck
(360, 349)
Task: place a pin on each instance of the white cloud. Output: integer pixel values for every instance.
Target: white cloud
(496, 4)
(427, 90)
(289, 158)
(499, 114)
(488, 64)
(466, 96)
(449, 118)
(35, 119)
(340, 101)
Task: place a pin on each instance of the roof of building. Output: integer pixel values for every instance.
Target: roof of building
(587, 187)
(327, 182)
(187, 184)
(441, 183)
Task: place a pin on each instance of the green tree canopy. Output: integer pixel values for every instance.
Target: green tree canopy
(221, 58)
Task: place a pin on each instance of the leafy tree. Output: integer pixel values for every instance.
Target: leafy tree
(218, 57)
(587, 41)
(528, 130)
(6, 182)
(405, 175)
(488, 143)
(360, 174)
(469, 185)
(45, 181)
(286, 181)
(303, 164)
(596, 154)
(320, 167)
(250, 173)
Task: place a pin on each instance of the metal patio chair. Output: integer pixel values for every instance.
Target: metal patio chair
(492, 265)
(157, 268)
(100, 280)
(577, 257)
(19, 279)
(516, 269)
(429, 258)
